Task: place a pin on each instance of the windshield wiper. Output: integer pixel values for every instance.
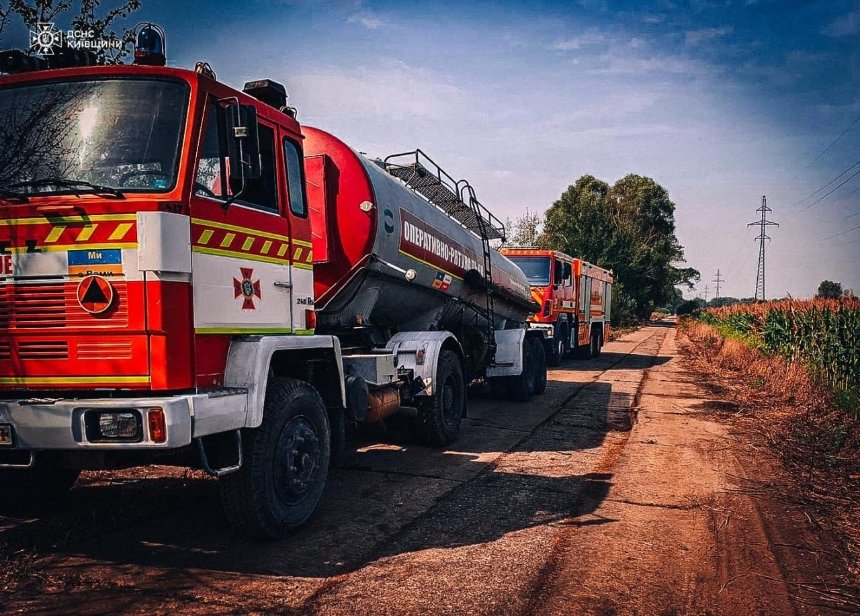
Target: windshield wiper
(11, 194)
(96, 189)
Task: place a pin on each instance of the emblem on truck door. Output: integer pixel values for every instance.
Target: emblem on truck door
(247, 289)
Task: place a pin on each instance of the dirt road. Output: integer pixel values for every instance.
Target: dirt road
(616, 492)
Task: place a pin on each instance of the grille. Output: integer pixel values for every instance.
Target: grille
(113, 349)
(45, 306)
(5, 350)
(55, 349)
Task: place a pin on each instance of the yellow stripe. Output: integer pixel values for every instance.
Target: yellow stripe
(282, 250)
(303, 266)
(120, 231)
(435, 267)
(249, 241)
(238, 255)
(242, 330)
(205, 236)
(226, 227)
(55, 234)
(303, 243)
(267, 246)
(298, 253)
(85, 233)
(310, 257)
(59, 380)
(16, 222)
(304, 332)
(228, 239)
(62, 247)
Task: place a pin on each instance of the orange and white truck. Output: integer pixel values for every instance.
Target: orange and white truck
(575, 299)
(188, 276)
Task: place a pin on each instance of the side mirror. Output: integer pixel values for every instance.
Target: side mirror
(243, 142)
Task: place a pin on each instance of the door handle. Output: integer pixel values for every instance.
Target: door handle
(283, 284)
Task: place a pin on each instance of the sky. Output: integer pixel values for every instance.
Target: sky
(721, 102)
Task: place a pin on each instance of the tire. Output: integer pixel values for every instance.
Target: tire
(440, 415)
(540, 365)
(286, 462)
(599, 345)
(36, 487)
(557, 348)
(522, 386)
(594, 345)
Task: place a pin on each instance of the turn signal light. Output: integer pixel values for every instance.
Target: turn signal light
(157, 425)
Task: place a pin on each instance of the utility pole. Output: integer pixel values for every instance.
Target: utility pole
(706, 294)
(762, 224)
(719, 281)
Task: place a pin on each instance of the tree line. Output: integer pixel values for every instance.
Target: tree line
(628, 227)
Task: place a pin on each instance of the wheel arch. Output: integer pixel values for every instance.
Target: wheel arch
(314, 359)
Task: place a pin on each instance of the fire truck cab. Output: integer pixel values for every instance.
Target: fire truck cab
(157, 300)
(575, 299)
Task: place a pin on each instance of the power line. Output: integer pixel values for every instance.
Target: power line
(719, 281)
(830, 237)
(818, 190)
(762, 224)
(832, 143)
(831, 191)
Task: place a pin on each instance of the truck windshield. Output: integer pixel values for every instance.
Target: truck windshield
(88, 135)
(536, 269)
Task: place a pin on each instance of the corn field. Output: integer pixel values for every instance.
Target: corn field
(822, 333)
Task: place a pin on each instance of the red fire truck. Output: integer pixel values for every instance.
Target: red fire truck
(575, 299)
(191, 277)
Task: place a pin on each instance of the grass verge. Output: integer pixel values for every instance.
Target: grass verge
(813, 431)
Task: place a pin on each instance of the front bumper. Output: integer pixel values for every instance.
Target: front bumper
(58, 424)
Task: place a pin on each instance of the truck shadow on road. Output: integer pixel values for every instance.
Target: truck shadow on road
(391, 498)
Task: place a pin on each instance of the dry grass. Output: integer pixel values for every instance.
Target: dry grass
(818, 443)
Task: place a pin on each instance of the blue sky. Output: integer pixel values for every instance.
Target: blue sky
(719, 101)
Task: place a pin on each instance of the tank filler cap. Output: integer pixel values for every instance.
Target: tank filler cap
(410, 274)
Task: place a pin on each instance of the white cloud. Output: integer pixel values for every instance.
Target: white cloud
(697, 37)
(368, 19)
(844, 25)
(622, 64)
(391, 91)
(588, 38)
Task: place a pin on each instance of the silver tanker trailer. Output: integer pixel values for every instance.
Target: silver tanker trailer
(406, 278)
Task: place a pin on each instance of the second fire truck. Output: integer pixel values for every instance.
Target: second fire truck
(575, 298)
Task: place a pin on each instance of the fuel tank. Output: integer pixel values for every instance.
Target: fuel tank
(384, 255)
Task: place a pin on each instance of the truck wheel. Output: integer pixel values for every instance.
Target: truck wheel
(540, 365)
(594, 345)
(35, 487)
(522, 386)
(598, 344)
(439, 415)
(286, 463)
(557, 348)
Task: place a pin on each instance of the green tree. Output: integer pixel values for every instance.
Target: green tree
(829, 289)
(629, 228)
(524, 230)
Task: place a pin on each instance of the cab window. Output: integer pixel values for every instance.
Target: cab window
(295, 178)
(213, 171)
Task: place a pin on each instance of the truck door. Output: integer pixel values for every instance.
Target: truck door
(240, 260)
(301, 248)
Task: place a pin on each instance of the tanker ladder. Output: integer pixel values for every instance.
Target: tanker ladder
(428, 179)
